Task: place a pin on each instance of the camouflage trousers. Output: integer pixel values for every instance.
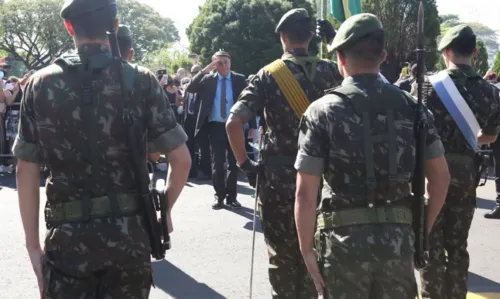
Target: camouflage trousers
(288, 274)
(367, 262)
(447, 273)
(100, 259)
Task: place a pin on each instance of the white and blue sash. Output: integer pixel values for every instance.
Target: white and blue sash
(457, 107)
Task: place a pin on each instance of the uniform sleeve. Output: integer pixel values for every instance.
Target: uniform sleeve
(252, 98)
(492, 125)
(434, 146)
(26, 145)
(313, 141)
(164, 133)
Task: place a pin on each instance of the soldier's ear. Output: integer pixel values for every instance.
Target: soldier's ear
(383, 57)
(116, 24)
(69, 27)
(131, 55)
(476, 51)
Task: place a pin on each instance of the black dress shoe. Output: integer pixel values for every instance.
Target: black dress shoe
(494, 214)
(218, 204)
(233, 204)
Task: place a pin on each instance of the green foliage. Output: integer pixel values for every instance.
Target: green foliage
(150, 31)
(488, 36)
(496, 64)
(399, 18)
(483, 32)
(34, 32)
(244, 28)
(450, 20)
(169, 59)
(480, 62)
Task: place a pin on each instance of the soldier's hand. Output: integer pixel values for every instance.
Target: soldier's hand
(311, 260)
(324, 29)
(250, 166)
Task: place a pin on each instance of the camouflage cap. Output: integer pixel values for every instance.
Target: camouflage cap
(355, 28)
(73, 8)
(294, 15)
(124, 31)
(455, 33)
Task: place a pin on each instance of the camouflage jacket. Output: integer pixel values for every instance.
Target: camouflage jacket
(483, 100)
(263, 94)
(52, 132)
(332, 141)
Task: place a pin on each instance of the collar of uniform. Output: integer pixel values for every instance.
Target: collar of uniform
(466, 69)
(361, 78)
(228, 77)
(93, 49)
(295, 52)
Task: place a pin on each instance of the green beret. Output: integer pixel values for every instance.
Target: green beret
(72, 8)
(294, 15)
(124, 31)
(455, 33)
(355, 28)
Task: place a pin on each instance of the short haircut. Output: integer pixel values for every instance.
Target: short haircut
(368, 49)
(94, 25)
(463, 46)
(125, 45)
(299, 31)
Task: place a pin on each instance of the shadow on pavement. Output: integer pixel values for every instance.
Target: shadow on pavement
(180, 285)
(479, 284)
(248, 213)
(486, 204)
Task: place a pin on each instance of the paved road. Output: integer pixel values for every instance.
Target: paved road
(210, 258)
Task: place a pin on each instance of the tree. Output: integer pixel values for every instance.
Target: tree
(34, 32)
(150, 30)
(496, 64)
(450, 20)
(487, 35)
(244, 28)
(480, 62)
(399, 18)
(169, 59)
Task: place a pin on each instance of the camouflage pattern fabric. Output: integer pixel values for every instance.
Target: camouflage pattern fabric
(287, 272)
(483, 100)
(110, 256)
(363, 261)
(449, 259)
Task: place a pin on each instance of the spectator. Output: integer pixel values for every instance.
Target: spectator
(405, 83)
(174, 96)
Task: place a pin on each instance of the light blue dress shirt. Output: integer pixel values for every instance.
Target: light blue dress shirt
(215, 113)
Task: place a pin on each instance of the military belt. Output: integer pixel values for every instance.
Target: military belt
(270, 160)
(376, 215)
(98, 207)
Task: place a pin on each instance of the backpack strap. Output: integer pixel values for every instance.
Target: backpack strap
(368, 109)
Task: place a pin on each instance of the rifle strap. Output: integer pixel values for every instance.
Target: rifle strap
(289, 86)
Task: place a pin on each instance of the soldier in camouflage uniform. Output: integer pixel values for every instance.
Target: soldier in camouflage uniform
(96, 245)
(287, 272)
(446, 275)
(125, 42)
(361, 139)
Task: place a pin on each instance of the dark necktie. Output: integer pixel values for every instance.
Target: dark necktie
(223, 99)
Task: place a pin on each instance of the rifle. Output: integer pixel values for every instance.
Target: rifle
(418, 184)
(151, 199)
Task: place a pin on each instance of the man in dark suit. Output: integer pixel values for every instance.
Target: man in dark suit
(218, 91)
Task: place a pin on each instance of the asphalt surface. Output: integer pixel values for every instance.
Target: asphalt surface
(210, 258)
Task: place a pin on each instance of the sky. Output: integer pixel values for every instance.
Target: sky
(182, 12)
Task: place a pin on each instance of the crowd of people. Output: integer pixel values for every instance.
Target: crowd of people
(335, 197)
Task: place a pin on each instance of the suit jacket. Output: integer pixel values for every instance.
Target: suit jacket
(205, 86)
(196, 104)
